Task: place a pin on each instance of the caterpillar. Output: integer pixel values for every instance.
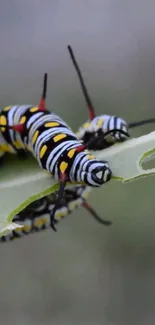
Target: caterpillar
(56, 148)
(92, 132)
(37, 216)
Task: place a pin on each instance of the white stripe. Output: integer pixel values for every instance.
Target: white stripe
(83, 162)
(10, 117)
(33, 118)
(20, 112)
(95, 165)
(89, 179)
(76, 161)
(46, 135)
(111, 124)
(68, 145)
(51, 161)
(43, 138)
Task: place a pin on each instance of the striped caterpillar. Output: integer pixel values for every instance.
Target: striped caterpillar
(37, 216)
(99, 131)
(56, 148)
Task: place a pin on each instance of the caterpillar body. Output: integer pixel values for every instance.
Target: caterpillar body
(52, 143)
(92, 132)
(37, 216)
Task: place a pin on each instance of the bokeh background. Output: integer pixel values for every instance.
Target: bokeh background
(85, 273)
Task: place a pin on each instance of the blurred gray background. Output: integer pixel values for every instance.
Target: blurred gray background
(85, 273)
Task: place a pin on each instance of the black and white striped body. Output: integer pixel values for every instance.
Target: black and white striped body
(37, 216)
(97, 127)
(52, 143)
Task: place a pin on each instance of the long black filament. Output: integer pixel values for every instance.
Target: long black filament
(44, 87)
(95, 216)
(82, 83)
(139, 123)
(93, 141)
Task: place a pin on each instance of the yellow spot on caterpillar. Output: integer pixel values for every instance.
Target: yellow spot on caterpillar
(100, 122)
(35, 136)
(51, 124)
(43, 150)
(86, 125)
(61, 213)
(40, 222)
(26, 228)
(18, 144)
(74, 204)
(27, 147)
(85, 194)
(3, 120)
(63, 166)
(23, 120)
(7, 108)
(6, 148)
(33, 109)
(59, 137)
(19, 230)
(91, 157)
(71, 153)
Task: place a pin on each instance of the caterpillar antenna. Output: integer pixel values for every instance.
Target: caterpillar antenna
(42, 103)
(82, 83)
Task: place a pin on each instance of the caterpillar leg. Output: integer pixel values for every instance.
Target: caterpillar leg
(63, 178)
(22, 154)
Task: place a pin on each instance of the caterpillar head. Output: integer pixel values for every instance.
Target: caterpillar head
(96, 173)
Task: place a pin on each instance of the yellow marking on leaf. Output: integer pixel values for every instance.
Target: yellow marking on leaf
(43, 151)
(23, 120)
(35, 136)
(34, 109)
(59, 137)
(51, 124)
(71, 153)
(63, 166)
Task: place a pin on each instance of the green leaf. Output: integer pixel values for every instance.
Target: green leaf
(24, 182)
(125, 159)
(21, 183)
